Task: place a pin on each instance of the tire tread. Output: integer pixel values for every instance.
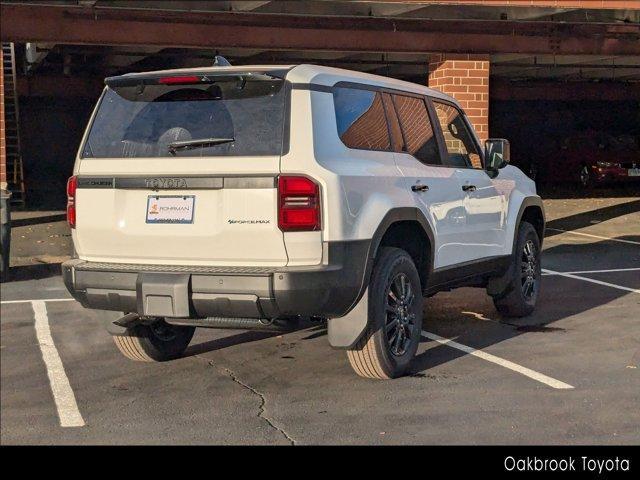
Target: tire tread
(132, 348)
(509, 303)
(364, 360)
(138, 344)
(366, 357)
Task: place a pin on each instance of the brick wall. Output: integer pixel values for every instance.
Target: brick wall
(466, 78)
(3, 147)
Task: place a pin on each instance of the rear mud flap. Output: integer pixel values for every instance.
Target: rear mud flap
(344, 332)
(163, 295)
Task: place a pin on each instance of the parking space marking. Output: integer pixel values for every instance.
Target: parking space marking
(39, 300)
(63, 396)
(612, 270)
(527, 372)
(591, 280)
(621, 240)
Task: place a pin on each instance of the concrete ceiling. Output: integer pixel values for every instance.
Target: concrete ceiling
(108, 60)
(390, 8)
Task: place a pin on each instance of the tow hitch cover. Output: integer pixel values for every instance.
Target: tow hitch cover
(163, 295)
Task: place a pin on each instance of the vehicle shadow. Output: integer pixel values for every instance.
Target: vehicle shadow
(23, 222)
(479, 325)
(249, 336)
(33, 272)
(226, 342)
(585, 219)
(565, 190)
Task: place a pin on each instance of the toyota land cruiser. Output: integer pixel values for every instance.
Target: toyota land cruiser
(248, 197)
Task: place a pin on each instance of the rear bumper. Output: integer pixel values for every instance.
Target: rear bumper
(328, 290)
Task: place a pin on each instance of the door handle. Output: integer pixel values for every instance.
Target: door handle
(419, 188)
(469, 188)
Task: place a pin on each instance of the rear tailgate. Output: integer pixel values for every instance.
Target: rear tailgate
(183, 172)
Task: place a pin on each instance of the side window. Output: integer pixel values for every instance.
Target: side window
(360, 118)
(417, 131)
(461, 148)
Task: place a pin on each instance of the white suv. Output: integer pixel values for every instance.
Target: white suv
(248, 197)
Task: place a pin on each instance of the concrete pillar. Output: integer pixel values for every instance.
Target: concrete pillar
(466, 78)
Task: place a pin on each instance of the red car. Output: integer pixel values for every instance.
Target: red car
(590, 159)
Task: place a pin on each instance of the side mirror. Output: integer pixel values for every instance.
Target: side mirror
(497, 153)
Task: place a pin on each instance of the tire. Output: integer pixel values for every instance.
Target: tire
(374, 356)
(157, 342)
(519, 297)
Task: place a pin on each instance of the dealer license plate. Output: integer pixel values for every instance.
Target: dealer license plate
(170, 208)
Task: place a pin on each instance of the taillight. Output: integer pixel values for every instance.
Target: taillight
(298, 204)
(72, 185)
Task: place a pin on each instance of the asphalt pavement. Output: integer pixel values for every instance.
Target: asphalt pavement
(568, 374)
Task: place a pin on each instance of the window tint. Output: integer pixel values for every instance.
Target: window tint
(136, 121)
(360, 119)
(419, 139)
(461, 148)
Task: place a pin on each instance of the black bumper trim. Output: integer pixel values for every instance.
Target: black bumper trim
(326, 290)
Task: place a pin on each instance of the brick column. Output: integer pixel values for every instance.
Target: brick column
(466, 78)
(3, 140)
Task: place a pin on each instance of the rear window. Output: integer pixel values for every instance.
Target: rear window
(227, 116)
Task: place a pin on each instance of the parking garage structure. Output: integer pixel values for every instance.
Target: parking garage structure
(538, 72)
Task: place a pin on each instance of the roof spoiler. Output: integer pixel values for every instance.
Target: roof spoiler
(190, 78)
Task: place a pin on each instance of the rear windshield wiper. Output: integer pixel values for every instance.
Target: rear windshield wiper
(198, 142)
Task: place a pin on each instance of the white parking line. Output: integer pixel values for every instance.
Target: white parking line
(612, 270)
(63, 396)
(527, 372)
(621, 240)
(590, 280)
(39, 300)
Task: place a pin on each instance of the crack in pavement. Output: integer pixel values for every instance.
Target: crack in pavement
(263, 401)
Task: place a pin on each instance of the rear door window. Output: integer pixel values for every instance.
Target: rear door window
(360, 119)
(461, 146)
(225, 116)
(417, 131)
